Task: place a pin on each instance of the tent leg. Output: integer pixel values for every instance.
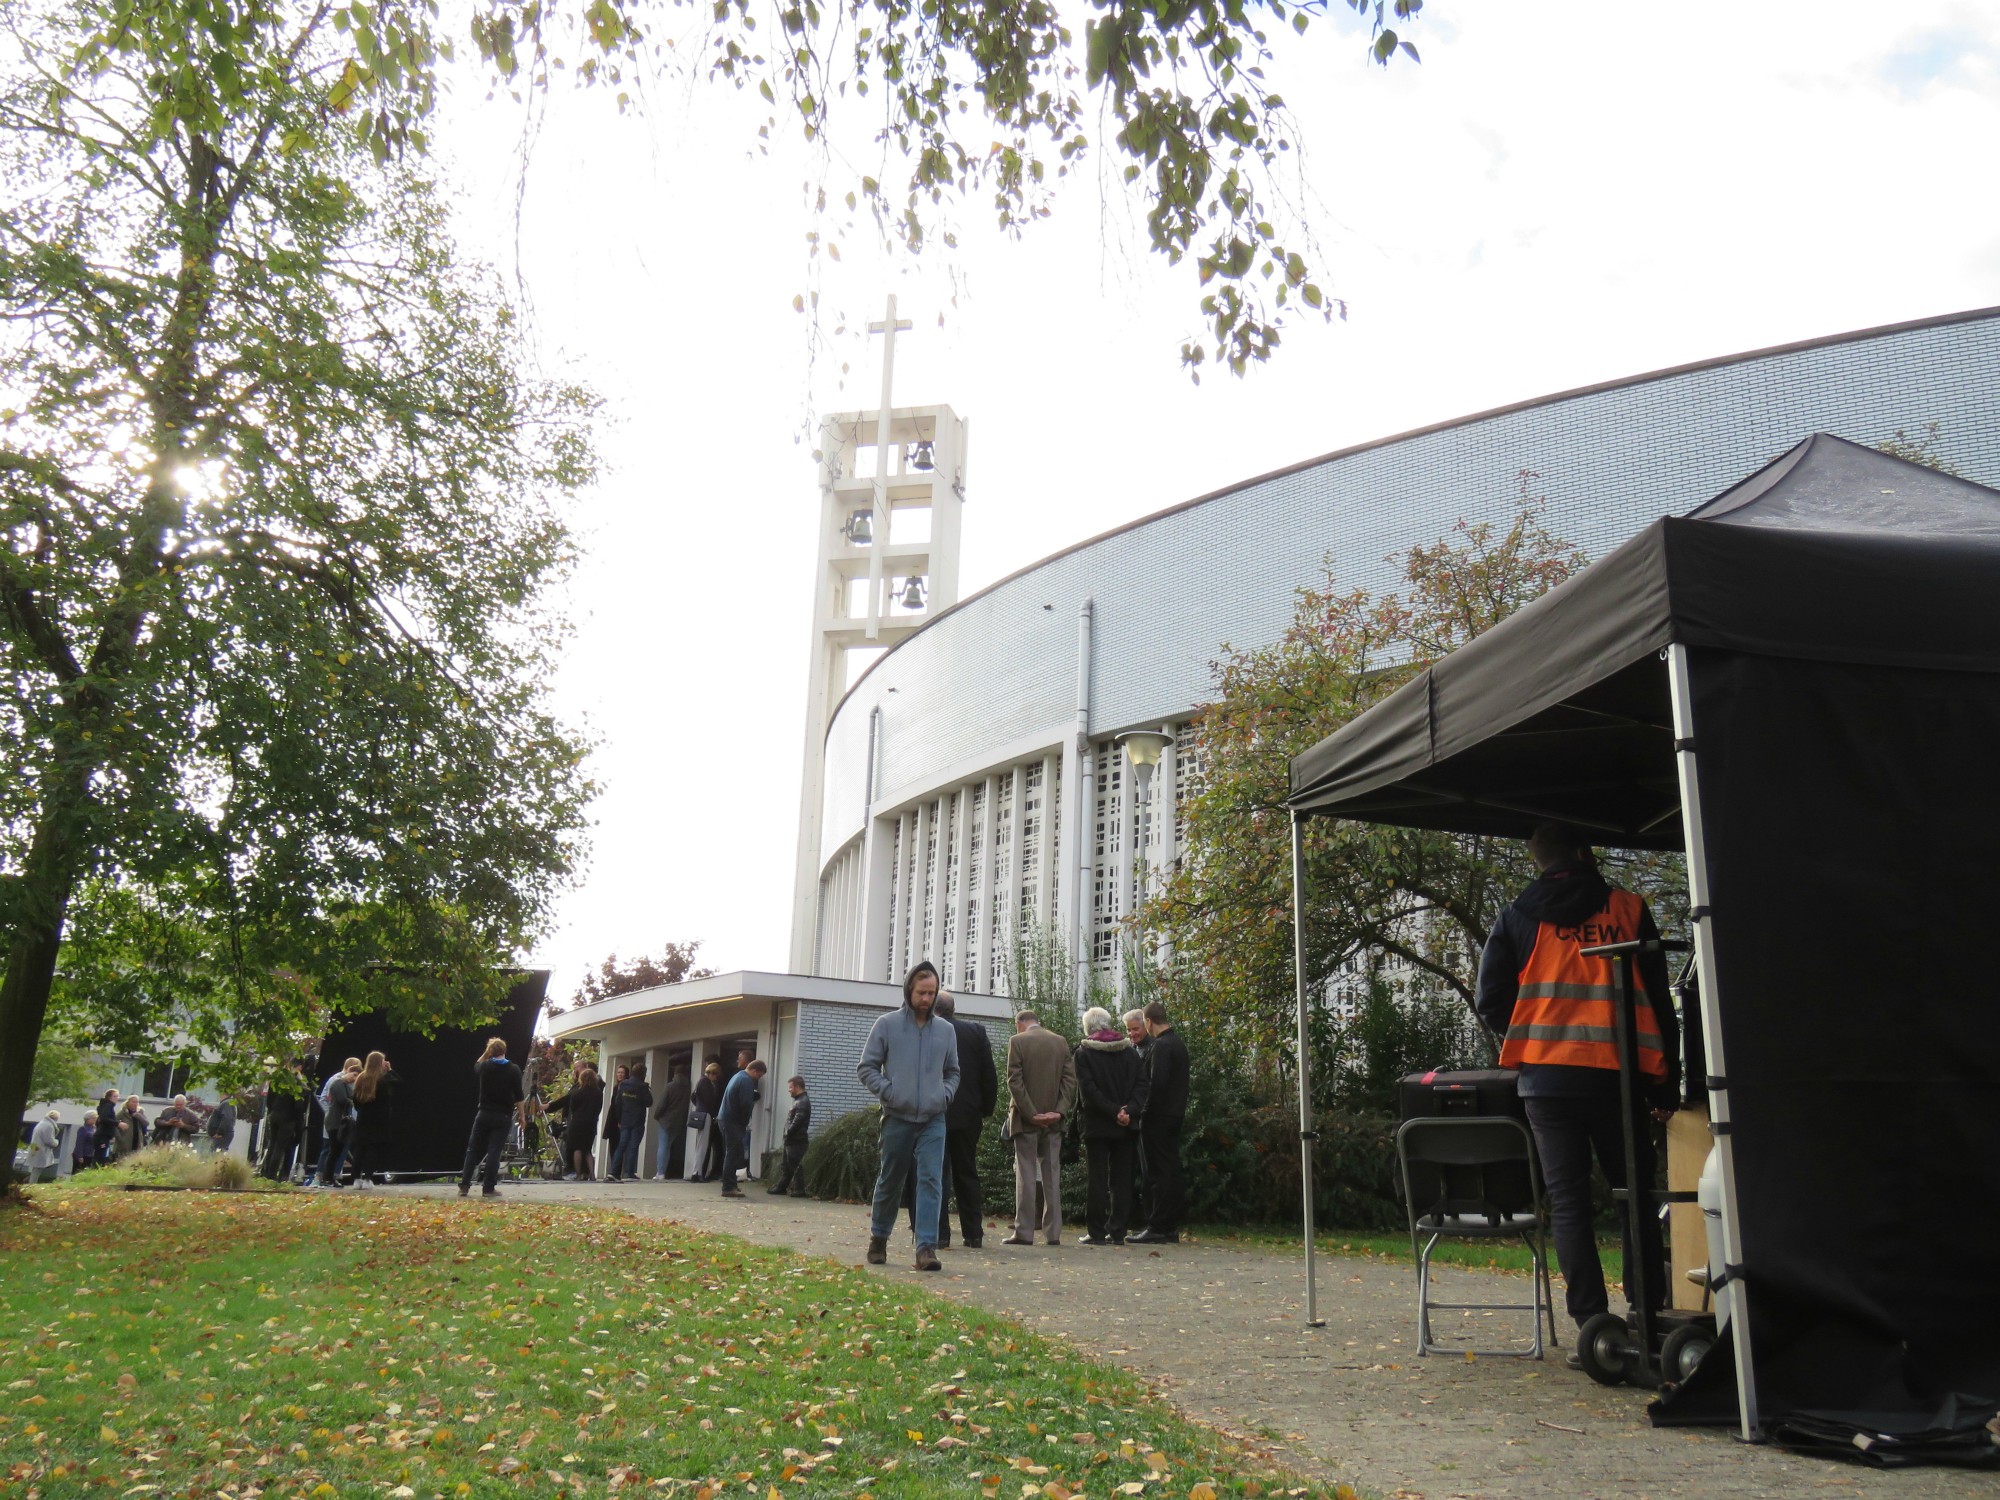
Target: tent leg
(1307, 1135)
(1711, 1026)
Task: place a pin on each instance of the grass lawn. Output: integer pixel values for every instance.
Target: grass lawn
(1476, 1253)
(281, 1345)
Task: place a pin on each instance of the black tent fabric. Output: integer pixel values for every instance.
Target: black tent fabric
(1841, 611)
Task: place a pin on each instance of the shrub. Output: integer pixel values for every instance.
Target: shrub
(176, 1167)
(844, 1157)
(232, 1174)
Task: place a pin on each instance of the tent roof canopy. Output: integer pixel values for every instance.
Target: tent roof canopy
(1832, 552)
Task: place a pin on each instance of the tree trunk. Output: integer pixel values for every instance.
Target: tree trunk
(46, 883)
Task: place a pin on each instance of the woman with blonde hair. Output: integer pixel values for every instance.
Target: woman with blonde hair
(500, 1096)
(374, 1116)
(580, 1108)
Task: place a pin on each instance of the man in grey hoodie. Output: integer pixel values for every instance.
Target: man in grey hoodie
(911, 1065)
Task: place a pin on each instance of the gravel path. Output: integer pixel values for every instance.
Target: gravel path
(1219, 1330)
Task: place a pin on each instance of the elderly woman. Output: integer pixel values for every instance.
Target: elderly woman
(1111, 1080)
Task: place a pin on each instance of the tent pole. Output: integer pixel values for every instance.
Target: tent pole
(1307, 1135)
(1711, 1028)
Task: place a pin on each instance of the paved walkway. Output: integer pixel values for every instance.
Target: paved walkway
(1219, 1330)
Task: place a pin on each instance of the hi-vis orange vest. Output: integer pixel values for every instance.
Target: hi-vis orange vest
(1566, 1009)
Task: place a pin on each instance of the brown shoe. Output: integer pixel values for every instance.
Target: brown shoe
(927, 1259)
(878, 1251)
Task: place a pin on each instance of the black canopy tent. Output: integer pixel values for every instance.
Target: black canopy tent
(1799, 685)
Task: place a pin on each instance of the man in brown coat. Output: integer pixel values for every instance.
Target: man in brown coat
(1041, 1081)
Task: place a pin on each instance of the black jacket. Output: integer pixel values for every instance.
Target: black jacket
(798, 1121)
(579, 1109)
(500, 1084)
(708, 1095)
(1110, 1076)
(284, 1111)
(375, 1119)
(978, 1081)
(1569, 894)
(1167, 1077)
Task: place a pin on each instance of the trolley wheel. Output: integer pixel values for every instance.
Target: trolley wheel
(1604, 1347)
(1684, 1349)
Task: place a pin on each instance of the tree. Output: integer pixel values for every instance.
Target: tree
(674, 965)
(960, 99)
(278, 500)
(1419, 900)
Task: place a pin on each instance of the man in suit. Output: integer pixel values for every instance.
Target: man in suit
(978, 1092)
(1160, 1134)
(1041, 1086)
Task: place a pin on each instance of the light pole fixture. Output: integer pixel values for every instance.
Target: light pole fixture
(913, 592)
(860, 529)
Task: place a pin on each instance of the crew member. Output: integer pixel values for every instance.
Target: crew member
(1555, 1007)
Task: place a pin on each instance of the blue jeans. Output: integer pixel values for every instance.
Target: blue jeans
(625, 1155)
(904, 1142)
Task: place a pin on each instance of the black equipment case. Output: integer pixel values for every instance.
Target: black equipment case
(1468, 1091)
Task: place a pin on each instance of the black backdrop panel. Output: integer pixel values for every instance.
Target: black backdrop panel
(438, 1092)
(1852, 815)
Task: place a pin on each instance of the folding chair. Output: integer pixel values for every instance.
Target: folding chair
(1474, 1178)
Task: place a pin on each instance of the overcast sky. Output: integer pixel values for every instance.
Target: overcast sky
(1552, 198)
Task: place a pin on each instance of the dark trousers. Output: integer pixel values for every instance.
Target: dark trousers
(1566, 1131)
(792, 1176)
(961, 1182)
(1166, 1194)
(735, 1153)
(279, 1145)
(362, 1157)
(489, 1138)
(1109, 1161)
(331, 1153)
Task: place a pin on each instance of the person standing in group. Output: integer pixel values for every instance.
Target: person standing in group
(632, 1099)
(671, 1115)
(1554, 1006)
(739, 1101)
(284, 1121)
(501, 1097)
(611, 1122)
(1114, 1086)
(971, 1107)
(701, 1118)
(45, 1148)
(579, 1109)
(338, 1097)
(323, 1102)
(910, 1063)
(1160, 1131)
(374, 1117)
(83, 1149)
(1041, 1089)
(129, 1129)
(798, 1132)
(107, 1125)
(1134, 1022)
(178, 1124)
(222, 1125)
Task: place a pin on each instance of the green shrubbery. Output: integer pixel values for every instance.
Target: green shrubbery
(175, 1167)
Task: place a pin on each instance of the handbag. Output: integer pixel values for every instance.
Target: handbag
(697, 1118)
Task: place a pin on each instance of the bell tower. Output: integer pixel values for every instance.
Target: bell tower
(892, 487)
